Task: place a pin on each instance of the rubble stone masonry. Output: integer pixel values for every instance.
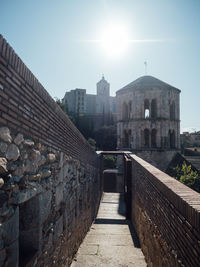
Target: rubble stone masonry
(49, 179)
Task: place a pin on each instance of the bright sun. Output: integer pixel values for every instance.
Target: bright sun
(114, 40)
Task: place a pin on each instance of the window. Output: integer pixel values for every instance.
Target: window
(126, 139)
(130, 110)
(146, 138)
(171, 138)
(146, 113)
(153, 138)
(172, 111)
(125, 111)
(146, 108)
(153, 109)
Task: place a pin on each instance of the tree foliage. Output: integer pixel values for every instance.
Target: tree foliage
(110, 162)
(62, 105)
(187, 176)
(92, 142)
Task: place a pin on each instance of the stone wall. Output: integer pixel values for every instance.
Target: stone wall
(26, 107)
(158, 158)
(49, 178)
(166, 217)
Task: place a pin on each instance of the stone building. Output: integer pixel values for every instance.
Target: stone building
(190, 139)
(103, 97)
(148, 120)
(78, 101)
(99, 109)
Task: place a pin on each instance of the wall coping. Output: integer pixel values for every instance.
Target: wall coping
(10, 59)
(186, 200)
(8, 53)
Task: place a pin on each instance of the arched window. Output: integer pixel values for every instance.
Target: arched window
(172, 111)
(125, 111)
(126, 139)
(130, 110)
(171, 138)
(153, 109)
(153, 138)
(146, 108)
(146, 137)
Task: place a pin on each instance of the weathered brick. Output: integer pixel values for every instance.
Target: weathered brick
(9, 118)
(26, 108)
(3, 95)
(3, 108)
(163, 217)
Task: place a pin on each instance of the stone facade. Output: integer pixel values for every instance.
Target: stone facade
(48, 202)
(148, 119)
(103, 97)
(78, 101)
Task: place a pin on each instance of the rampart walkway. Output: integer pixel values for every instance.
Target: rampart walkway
(111, 240)
(51, 183)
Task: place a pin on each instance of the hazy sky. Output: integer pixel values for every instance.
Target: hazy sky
(57, 40)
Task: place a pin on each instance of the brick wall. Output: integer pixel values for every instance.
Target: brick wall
(166, 216)
(26, 106)
(49, 177)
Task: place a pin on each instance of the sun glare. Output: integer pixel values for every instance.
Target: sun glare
(114, 40)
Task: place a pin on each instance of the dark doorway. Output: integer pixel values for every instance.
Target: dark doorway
(109, 181)
(113, 181)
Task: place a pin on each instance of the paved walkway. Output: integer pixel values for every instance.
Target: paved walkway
(111, 240)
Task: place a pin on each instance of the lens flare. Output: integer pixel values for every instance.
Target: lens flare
(115, 40)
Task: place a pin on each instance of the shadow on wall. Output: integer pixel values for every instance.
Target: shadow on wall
(113, 181)
(50, 185)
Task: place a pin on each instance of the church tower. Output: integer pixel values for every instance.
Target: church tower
(103, 97)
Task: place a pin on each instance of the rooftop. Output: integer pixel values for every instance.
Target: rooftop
(146, 82)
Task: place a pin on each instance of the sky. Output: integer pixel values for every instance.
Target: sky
(63, 42)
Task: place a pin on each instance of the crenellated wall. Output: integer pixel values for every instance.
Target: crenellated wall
(166, 217)
(49, 178)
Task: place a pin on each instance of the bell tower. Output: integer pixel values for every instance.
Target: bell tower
(103, 96)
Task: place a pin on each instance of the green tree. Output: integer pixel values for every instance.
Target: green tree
(110, 162)
(62, 104)
(187, 176)
(92, 142)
